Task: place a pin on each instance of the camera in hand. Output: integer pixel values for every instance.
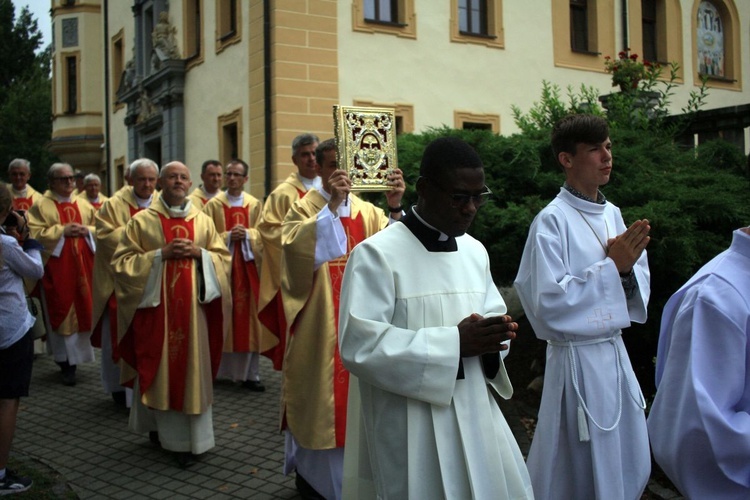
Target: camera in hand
(11, 221)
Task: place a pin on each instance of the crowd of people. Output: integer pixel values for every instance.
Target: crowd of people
(387, 329)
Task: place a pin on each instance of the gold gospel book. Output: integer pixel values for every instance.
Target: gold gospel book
(366, 145)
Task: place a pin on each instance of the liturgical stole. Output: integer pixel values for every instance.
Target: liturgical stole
(74, 266)
(245, 284)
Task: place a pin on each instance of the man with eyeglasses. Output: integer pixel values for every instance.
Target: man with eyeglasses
(423, 331)
(317, 235)
(235, 214)
(92, 185)
(65, 227)
(583, 278)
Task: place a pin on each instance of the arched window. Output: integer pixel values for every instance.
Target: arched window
(710, 40)
(717, 49)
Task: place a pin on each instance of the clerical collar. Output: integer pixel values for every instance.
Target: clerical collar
(432, 239)
(177, 212)
(233, 199)
(61, 199)
(142, 202)
(19, 194)
(600, 199)
(316, 183)
(209, 195)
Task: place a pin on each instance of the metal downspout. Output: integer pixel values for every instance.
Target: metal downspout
(625, 38)
(267, 94)
(110, 177)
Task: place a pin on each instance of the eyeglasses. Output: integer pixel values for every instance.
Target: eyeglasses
(459, 200)
(68, 178)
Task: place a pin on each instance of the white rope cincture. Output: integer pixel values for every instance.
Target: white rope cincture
(583, 410)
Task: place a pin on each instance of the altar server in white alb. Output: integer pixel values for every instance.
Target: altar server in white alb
(583, 278)
(700, 420)
(422, 327)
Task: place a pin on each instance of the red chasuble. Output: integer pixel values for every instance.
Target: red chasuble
(355, 233)
(245, 285)
(96, 336)
(171, 318)
(74, 267)
(272, 317)
(22, 203)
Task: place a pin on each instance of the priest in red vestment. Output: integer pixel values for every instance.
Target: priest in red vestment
(173, 310)
(65, 227)
(317, 235)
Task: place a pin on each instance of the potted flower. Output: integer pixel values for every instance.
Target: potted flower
(627, 71)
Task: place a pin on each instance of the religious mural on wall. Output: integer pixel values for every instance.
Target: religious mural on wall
(710, 41)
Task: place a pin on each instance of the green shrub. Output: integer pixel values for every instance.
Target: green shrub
(693, 199)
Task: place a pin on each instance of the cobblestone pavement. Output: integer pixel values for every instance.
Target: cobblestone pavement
(80, 433)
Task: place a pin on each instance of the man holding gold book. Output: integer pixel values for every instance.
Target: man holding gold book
(317, 235)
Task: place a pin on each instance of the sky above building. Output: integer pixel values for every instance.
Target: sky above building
(40, 10)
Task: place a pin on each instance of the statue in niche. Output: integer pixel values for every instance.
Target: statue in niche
(164, 41)
(146, 108)
(128, 75)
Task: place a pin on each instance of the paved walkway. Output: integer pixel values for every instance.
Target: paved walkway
(80, 433)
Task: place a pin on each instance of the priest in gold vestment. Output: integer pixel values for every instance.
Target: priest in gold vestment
(173, 310)
(111, 220)
(19, 173)
(235, 214)
(65, 227)
(275, 208)
(317, 235)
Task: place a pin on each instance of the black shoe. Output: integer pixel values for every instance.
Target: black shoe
(68, 372)
(254, 385)
(153, 436)
(306, 491)
(184, 459)
(69, 378)
(119, 398)
(12, 483)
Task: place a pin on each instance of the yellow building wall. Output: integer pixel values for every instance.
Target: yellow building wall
(439, 77)
(305, 83)
(120, 18)
(319, 59)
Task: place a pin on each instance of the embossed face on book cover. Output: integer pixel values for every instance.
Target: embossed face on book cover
(370, 153)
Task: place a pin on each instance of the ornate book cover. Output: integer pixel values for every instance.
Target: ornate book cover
(366, 145)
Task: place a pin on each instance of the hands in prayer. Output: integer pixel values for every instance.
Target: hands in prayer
(480, 335)
(74, 230)
(180, 248)
(627, 248)
(238, 233)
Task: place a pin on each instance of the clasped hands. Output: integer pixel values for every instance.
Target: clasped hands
(626, 248)
(238, 233)
(180, 248)
(75, 230)
(478, 335)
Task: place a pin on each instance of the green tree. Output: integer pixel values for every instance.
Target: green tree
(25, 93)
(693, 199)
